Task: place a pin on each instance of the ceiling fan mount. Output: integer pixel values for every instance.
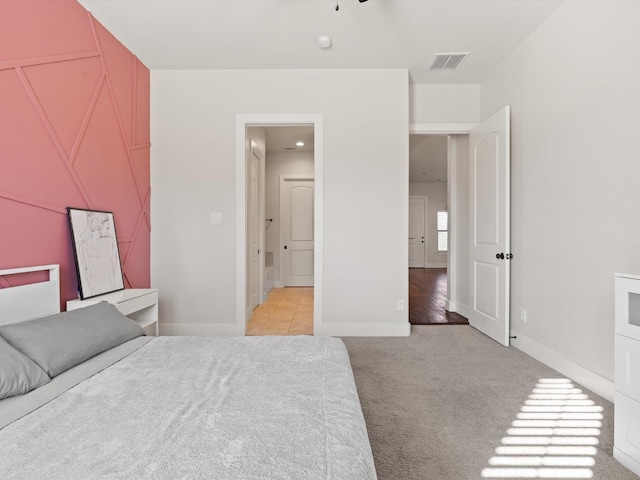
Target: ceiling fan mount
(338, 5)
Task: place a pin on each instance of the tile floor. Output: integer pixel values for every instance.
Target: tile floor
(287, 311)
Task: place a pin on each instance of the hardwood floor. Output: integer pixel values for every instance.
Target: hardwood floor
(428, 296)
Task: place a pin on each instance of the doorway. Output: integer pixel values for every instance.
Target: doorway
(462, 296)
(428, 229)
(291, 154)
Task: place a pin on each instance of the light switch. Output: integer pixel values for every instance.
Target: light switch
(215, 217)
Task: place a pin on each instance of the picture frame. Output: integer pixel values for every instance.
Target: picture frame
(95, 248)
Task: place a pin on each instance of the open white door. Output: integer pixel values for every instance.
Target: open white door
(254, 257)
(489, 145)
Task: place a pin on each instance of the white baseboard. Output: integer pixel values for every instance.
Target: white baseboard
(464, 311)
(279, 284)
(594, 382)
(201, 329)
(458, 308)
(436, 265)
(626, 460)
(363, 329)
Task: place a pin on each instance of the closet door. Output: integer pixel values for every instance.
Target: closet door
(296, 234)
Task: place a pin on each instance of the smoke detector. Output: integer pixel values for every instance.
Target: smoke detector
(324, 41)
(448, 61)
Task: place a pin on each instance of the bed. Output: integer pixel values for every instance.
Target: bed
(170, 407)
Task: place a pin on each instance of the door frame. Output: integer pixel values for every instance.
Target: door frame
(425, 226)
(243, 121)
(252, 151)
(452, 189)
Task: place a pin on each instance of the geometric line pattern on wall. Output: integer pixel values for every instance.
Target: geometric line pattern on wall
(50, 130)
(74, 131)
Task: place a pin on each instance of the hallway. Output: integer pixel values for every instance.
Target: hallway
(428, 296)
(287, 311)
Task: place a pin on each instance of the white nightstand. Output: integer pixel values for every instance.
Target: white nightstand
(139, 304)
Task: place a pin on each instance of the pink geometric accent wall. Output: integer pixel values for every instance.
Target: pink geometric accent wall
(74, 131)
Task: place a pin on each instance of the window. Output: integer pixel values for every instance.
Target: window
(443, 232)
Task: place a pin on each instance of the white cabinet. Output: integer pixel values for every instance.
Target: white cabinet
(627, 372)
(139, 304)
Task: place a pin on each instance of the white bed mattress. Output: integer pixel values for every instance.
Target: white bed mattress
(201, 408)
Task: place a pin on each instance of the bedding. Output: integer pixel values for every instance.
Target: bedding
(61, 341)
(13, 408)
(201, 408)
(18, 373)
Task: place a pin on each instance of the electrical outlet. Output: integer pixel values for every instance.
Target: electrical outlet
(400, 304)
(523, 315)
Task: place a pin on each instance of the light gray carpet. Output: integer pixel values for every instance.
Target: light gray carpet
(438, 403)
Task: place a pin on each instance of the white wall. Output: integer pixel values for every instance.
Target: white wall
(280, 163)
(193, 119)
(573, 89)
(442, 104)
(436, 193)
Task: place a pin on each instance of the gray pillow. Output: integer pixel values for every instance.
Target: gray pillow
(18, 374)
(61, 341)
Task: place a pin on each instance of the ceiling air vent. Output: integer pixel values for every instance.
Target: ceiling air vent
(448, 61)
(290, 149)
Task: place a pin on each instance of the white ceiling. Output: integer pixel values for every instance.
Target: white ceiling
(281, 34)
(284, 139)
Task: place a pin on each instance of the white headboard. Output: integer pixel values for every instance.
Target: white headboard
(34, 300)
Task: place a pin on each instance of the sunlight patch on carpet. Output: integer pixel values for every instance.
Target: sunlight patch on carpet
(553, 436)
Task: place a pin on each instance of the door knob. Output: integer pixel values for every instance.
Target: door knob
(500, 256)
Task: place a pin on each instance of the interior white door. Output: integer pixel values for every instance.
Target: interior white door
(253, 230)
(296, 230)
(416, 232)
(490, 244)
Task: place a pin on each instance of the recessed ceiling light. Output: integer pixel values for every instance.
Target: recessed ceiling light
(300, 144)
(324, 41)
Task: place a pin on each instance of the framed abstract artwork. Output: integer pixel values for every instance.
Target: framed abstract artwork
(95, 247)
